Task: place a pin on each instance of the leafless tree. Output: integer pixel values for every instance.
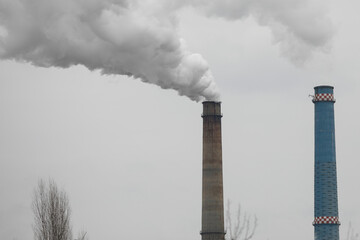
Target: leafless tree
(51, 212)
(244, 226)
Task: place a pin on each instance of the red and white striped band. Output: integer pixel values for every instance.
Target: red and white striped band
(326, 220)
(324, 97)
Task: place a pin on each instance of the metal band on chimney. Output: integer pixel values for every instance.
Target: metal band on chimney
(220, 233)
(324, 97)
(326, 220)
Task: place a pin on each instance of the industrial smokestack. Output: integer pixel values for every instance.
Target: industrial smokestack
(326, 221)
(212, 185)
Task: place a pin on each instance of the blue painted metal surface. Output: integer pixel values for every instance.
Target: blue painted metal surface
(326, 199)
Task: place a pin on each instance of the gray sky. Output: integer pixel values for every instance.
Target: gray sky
(129, 153)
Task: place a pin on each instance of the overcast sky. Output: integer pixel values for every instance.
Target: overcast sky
(128, 153)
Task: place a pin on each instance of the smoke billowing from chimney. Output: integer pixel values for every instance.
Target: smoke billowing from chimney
(138, 38)
(299, 27)
(134, 38)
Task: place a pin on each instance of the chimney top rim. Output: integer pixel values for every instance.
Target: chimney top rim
(324, 86)
(211, 102)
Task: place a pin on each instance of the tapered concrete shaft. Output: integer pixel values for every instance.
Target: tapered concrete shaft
(212, 185)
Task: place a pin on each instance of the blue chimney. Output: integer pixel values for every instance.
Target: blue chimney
(326, 220)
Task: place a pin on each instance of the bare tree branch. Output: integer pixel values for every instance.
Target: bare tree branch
(244, 227)
(351, 235)
(51, 210)
(82, 236)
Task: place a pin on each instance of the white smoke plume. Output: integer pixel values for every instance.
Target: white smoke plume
(300, 27)
(131, 38)
(139, 38)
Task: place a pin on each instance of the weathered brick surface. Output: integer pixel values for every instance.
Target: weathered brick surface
(212, 185)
